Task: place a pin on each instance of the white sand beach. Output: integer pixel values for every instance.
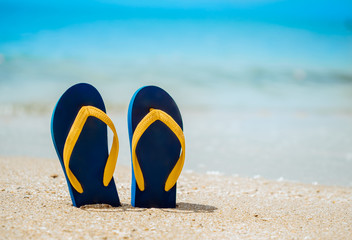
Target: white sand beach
(35, 204)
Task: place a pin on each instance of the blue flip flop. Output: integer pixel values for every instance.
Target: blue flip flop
(79, 134)
(157, 147)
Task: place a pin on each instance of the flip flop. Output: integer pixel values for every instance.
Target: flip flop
(157, 147)
(79, 134)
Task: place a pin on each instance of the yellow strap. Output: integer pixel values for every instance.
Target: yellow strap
(150, 118)
(72, 138)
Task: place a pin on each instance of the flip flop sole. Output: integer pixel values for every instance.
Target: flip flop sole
(157, 150)
(90, 153)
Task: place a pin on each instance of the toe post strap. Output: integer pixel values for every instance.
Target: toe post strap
(71, 140)
(150, 118)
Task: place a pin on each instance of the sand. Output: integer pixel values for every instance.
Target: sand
(35, 204)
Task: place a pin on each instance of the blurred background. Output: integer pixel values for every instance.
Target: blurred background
(264, 86)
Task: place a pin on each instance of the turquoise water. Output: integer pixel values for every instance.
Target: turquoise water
(263, 90)
(201, 54)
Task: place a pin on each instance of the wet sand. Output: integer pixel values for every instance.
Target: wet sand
(35, 204)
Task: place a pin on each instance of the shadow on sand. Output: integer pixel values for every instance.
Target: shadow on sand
(181, 207)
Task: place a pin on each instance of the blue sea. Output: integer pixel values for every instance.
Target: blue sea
(265, 88)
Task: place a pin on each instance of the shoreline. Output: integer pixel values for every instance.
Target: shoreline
(306, 148)
(35, 204)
